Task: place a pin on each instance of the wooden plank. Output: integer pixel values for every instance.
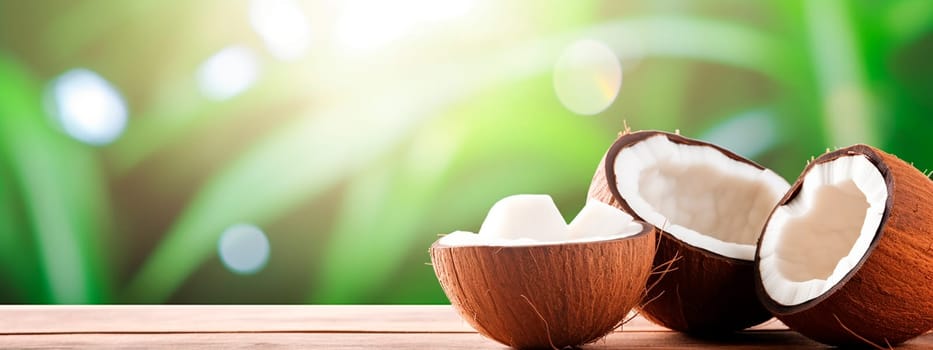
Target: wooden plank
(318, 327)
(178, 318)
(648, 340)
(351, 341)
(244, 318)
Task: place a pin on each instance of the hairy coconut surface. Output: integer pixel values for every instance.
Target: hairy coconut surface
(887, 296)
(546, 296)
(704, 285)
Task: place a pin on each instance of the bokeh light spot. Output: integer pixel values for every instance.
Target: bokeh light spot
(87, 107)
(243, 249)
(283, 26)
(228, 73)
(587, 77)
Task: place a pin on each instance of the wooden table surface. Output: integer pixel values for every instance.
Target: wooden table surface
(317, 327)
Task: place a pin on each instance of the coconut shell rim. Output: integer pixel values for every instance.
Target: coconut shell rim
(705, 253)
(646, 229)
(876, 160)
(630, 138)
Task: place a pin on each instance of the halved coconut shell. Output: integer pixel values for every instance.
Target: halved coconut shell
(847, 256)
(709, 205)
(546, 296)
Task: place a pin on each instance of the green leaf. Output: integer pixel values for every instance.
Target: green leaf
(17, 252)
(311, 154)
(180, 109)
(700, 39)
(848, 103)
(299, 161)
(654, 36)
(63, 191)
(381, 216)
(908, 20)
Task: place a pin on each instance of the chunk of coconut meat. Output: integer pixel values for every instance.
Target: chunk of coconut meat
(528, 219)
(811, 243)
(527, 216)
(698, 194)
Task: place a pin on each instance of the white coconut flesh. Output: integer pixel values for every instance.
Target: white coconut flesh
(811, 243)
(698, 194)
(529, 219)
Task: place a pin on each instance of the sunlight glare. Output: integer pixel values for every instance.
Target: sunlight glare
(371, 24)
(283, 26)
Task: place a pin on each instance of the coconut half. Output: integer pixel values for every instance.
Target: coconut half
(530, 280)
(847, 256)
(710, 206)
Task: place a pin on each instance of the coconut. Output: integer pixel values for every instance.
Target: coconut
(847, 256)
(528, 284)
(709, 206)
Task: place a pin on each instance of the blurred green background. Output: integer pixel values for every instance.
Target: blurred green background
(279, 151)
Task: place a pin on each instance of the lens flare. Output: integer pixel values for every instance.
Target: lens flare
(587, 77)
